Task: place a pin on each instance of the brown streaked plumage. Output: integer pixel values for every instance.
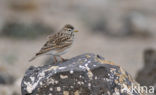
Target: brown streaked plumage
(58, 43)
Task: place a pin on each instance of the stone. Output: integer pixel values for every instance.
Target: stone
(6, 79)
(137, 24)
(23, 30)
(147, 76)
(86, 74)
(117, 27)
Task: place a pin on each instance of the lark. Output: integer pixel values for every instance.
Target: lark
(58, 43)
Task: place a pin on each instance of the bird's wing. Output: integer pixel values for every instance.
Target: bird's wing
(55, 42)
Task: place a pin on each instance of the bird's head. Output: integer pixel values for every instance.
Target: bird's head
(69, 29)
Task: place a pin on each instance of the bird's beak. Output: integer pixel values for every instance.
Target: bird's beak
(76, 31)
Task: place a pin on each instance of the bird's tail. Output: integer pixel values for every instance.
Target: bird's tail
(33, 58)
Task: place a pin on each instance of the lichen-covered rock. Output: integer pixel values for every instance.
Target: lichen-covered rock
(86, 74)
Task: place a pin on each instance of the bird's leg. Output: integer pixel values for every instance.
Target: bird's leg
(55, 59)
(62, 59)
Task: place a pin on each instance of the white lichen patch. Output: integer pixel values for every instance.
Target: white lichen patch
(58, 89)
(108, 74)
(50, 94)
(108, 93)
(85, 60)
(80, 82)
(89, 73)
(32, 79)
(80, 76)
(71, 71)
(111, 76)
(63, 76)
(56, 82)
(62, 68)
(94, 65)
(82, 67)
(51, 80)
(51, 89)
(89, 61)
(71, 87)
(95, 77)
(40, 83)
(31, 86)
(124, 88)
(89, 84)
(42, 74)
(107, 79)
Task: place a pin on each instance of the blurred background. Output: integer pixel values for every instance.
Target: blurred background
(119, 30)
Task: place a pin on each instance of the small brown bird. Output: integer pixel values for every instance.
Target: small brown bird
(59, 43)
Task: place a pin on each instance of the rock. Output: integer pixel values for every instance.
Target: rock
(117, 27)
(147, 76)
(86, 74)
(22, 30)
(96, 24)
(6, 79)
(137, 24)
(131, 24)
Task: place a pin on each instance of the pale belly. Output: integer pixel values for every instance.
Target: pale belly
(58, 52)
